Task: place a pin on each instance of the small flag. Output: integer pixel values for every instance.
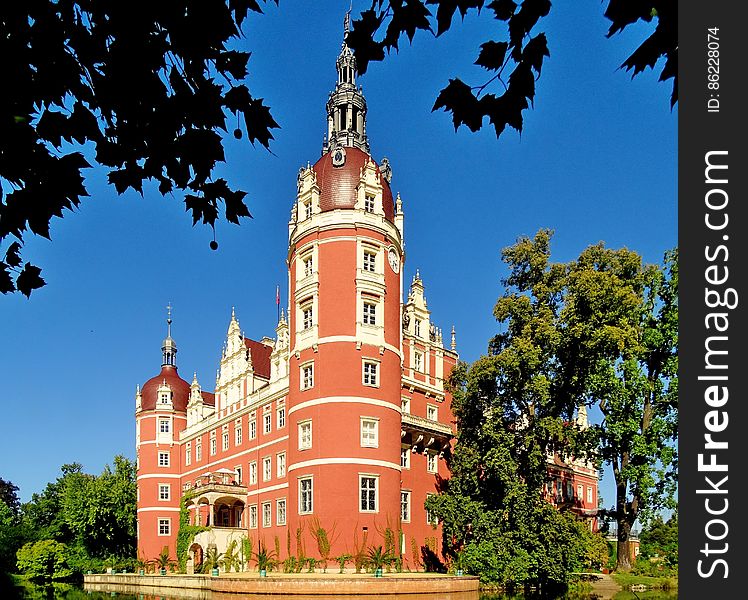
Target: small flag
(277, 295)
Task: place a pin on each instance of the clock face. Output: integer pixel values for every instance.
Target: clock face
(394, 261)
(338, 157)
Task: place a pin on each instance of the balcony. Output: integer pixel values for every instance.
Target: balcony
(423, 434)
(216, 500)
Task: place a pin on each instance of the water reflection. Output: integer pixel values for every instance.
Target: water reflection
(104, 592)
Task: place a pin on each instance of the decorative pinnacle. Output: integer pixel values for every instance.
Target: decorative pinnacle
(453, 345)
(168, 320)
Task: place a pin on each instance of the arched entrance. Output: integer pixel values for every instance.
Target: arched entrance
(196, 552)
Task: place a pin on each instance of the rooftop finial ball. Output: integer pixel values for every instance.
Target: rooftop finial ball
(214, 245)
(238, 133)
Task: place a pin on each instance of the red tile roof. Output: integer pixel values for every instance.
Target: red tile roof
(260, 354)
(179, 387)
(337, 185)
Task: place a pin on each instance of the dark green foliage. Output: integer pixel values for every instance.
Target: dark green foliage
(601, 329)
(94, 517)
(517, 60)
(73, 66)
(658, 550)
(186, 533)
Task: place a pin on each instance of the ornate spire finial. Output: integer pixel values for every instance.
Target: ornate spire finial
(168, 320)
(347, 21)
(453, 345)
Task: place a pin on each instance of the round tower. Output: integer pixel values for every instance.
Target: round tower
(160, 414)
(344, 266)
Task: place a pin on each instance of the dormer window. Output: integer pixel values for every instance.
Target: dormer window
(369, 204)
(164, 399)
(308, 209)
(417, 327)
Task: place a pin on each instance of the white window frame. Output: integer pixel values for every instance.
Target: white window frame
(304, 443)
(164, 459)
(580, 492)
(304, 508)
(280, 464)
(369, 428)
(238, 474)
(267, 514)
(164, 425)
(430, 519)
(405, 457)
(252, 425)
(307, 206)
(281, 511)
(369, 203)
(267, 423)
(405, 515)
(307, 264)
(589, 494)
(267, 468)
(225, 438)
(163, 526)
(405, 405)
(370, 373)
(213, 443)
(164, 492)
(432, 412)
(369, 313)
(188, 453)
(307, 315)
(369, 260)
(252, 472)
(368, 478)
(238, 432)
(432, 462)
(198, 449)
(418, 361)
(281, 416)
(253, 516)
(306, 376)
(417, 327)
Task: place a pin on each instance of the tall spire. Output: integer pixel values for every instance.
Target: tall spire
(169, 346)
(346, 106)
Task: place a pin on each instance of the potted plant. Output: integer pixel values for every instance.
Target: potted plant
(459, 563)
(141, 564)
(164, 561)
(211, 561)
(265, 559)
(378, 558)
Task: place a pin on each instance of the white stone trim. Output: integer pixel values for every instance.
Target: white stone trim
(234, 456)
(345, 400)
(159, 509)
(159, 476)
(344, 461)
(270, 488)
(330, 339)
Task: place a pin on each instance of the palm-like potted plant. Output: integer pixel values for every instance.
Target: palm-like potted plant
(141, 564)
(211, 561)
(265, 559)
(378, 558)
(163, 561)
(459, 563)
(230, 558)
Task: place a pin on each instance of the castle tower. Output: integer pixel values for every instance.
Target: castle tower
(344, 259)
(160, 415)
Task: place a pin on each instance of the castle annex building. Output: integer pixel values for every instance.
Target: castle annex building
(342, 421)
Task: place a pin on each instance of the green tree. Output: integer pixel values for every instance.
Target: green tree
(659, 540)
(44, 560)
(9, 495)
(572, 334)
(74, 65)
(516, 59)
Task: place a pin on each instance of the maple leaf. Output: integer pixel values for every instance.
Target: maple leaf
(29, 279)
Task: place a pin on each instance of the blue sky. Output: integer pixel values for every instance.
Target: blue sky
(596, 161)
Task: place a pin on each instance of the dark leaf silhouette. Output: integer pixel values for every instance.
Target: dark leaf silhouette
(73, 67)
(492, 55)
(517, 60)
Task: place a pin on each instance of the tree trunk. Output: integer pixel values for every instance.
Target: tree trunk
(623, 562)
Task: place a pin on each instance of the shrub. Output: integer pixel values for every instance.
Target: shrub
(45, 560)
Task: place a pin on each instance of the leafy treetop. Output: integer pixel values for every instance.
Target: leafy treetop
(516, 58)
(144, 87)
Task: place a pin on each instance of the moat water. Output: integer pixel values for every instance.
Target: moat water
(73, 592)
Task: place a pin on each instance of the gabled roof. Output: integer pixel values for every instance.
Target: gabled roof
(260, 354)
